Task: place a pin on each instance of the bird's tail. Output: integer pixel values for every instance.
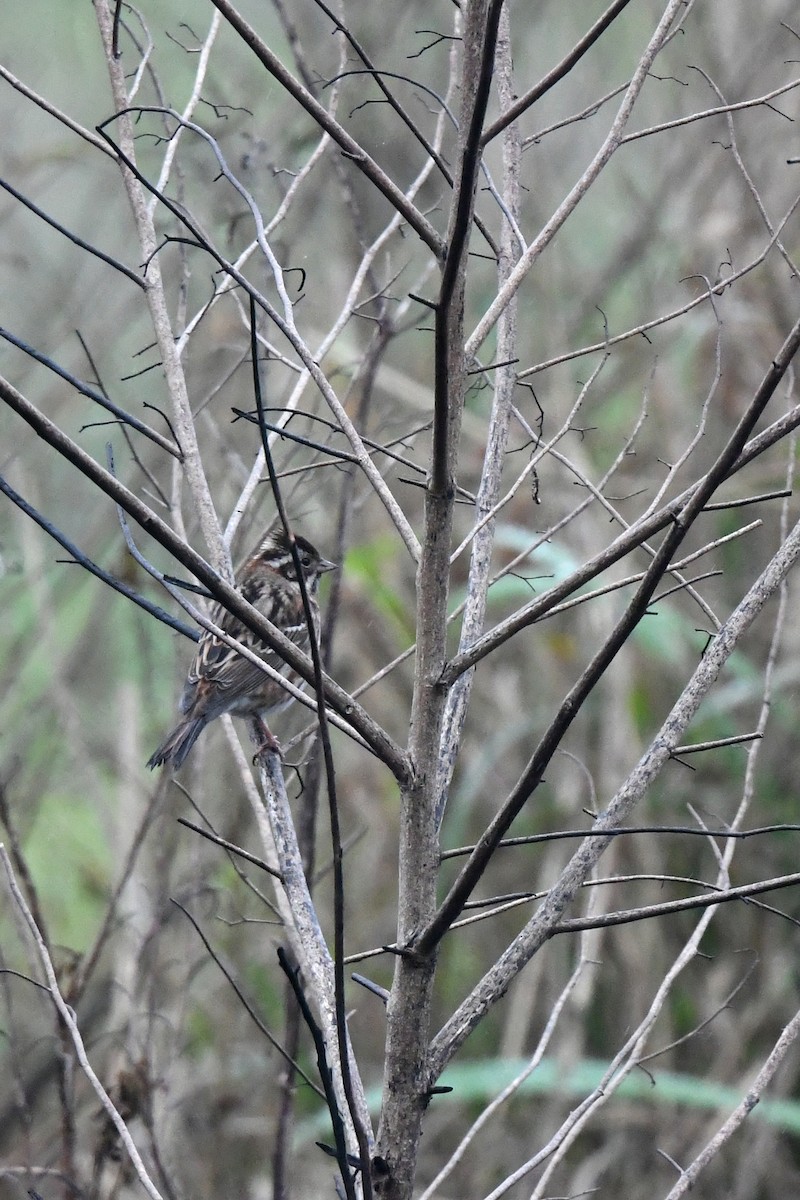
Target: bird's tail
(178, 744)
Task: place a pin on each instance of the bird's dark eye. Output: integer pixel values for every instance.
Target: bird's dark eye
(305, 559)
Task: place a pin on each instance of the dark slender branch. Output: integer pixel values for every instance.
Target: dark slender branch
(475, 217)
(413, 126)
(339, 700)
(297, 438)
(54, 112)
(73, 237)
(128, 441)
(604, 920)
(245, 1003)
(557, 73)
(683, 519)
(342, 1156)
(33, 982)
(82, 560)
(115, 50)
(91, 394)
(345, 455)
(330, 776)
(440, 482)
(230, 847)
(623, 831)
(371, 986)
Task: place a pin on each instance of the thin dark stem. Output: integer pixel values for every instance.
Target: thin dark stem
(230, 847)
(91, 394)
(441, 483)
(623, 831)
(292, 975)
(73, 237)
(330, 776)
(148, 474)
(379, 76)
(245, 1003)
(392, 100)
(349, 146)
(82, 560)
(344, 455)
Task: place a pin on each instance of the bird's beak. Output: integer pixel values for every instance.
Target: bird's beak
(327, 565)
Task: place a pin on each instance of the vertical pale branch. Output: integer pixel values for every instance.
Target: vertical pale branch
(489, 490)
(404, 1092)
(182, 421)
(188, 110)
(305, 936)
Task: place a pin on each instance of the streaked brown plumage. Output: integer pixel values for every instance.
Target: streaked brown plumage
(222, 681)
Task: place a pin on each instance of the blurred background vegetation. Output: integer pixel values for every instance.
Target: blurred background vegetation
(89, 682)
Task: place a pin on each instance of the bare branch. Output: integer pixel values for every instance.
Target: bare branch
(525, 945)
(742, 1111)
(570, 203)
(519, 106)
(68, 1017)
(322, 117)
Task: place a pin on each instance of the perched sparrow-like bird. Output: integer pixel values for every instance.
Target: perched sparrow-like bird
(220, 680)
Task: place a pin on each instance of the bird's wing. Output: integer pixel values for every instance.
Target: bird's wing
(224, 672)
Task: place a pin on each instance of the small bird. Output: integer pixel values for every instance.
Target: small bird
(220, 680)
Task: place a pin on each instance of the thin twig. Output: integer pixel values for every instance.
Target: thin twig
(91, 394)
(73, 237)
(68, 1018)
(82, 560)
(323, 118)
(230, 847)
(556, 74)
(245, 1003)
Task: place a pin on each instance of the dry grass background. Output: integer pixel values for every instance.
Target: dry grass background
(88, 682)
